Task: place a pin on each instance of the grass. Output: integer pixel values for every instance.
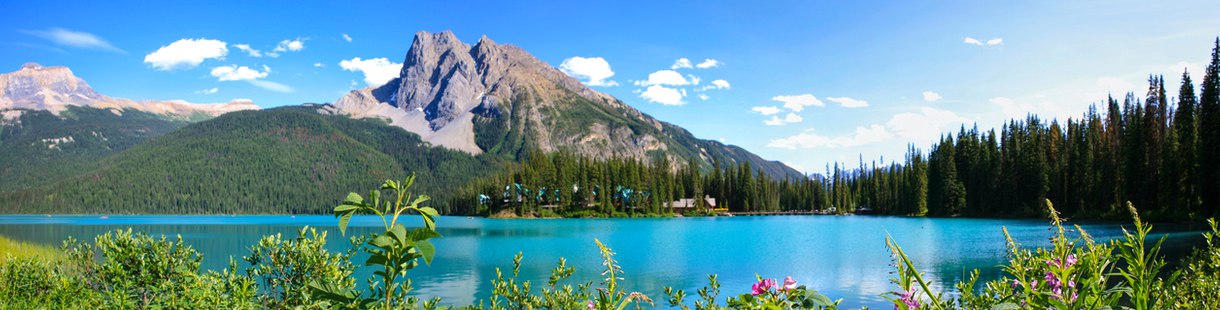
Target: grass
(17, 249)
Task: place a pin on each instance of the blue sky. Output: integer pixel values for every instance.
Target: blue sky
(808, 83)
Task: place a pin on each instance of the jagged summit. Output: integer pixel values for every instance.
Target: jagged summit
(498, 98)
(55, 88)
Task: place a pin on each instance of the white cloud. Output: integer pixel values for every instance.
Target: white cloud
(708, 63)
(235, 73)
(593, 71)
(1115, 85)
(848, 102)
(377, 71)
(250, 51)
(663, 95)
(209, 91)
(186, 53)
(716, 84)
(694, 80)
(808, 140)
(347, 37)
(766, 110)
(797, 103)
(704, 97)
(931, 96)
(272, 86)
(926, 125)
(788, 119)
(681, 63)
(75, 39)
(992, 42)
(295, 45)
(318, 65)
(252, 76)
(664, 77)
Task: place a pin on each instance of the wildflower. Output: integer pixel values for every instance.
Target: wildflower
(762, 286)
(908, 298)
(1071, 260)
(1016, 283)
(590, 305)
(789, 284)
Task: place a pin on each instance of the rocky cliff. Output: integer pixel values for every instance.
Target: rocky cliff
(499, 99)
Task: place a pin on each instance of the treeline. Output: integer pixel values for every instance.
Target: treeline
(1156, 151)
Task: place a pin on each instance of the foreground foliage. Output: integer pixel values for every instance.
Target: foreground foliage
(123, 269)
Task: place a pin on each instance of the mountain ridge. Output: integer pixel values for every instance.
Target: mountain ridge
(497, 98)
(55, 88)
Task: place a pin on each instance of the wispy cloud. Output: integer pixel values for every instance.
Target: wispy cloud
(208, 91)
(76, 39)
(796, 103)
(847, 102)
(788, 119)
(708, 63)
(992, 42)
(931, 96)
(347, 37)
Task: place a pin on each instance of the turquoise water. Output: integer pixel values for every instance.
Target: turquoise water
(842, 256)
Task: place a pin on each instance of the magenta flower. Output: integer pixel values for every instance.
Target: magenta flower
(908, 298)
(1071, 260)
(590, 305)
(762, 286)
(789, 284)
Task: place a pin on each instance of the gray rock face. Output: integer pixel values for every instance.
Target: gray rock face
(446, 87)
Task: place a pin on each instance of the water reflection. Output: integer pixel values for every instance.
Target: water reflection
(841, 256)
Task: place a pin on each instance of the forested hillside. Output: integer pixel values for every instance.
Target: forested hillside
(37, 147)
(284, 160)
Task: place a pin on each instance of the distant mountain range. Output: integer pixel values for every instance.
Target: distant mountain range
(54, 89)
(454, 113)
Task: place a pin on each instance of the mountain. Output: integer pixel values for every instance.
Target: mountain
(498, 99)
(53, 124)
(55, 89)
(281, 160)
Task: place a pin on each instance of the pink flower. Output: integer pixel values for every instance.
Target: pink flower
(1071, 260)
(762, 286)
(908, 298)
(789, 284)
(590, 305)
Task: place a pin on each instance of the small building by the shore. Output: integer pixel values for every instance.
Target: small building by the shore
(689, 204)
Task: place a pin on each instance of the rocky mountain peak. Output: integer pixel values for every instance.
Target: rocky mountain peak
(451, 93)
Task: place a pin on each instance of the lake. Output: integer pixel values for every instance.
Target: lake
(841, 256)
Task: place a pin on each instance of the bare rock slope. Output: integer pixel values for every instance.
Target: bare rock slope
(497, 98)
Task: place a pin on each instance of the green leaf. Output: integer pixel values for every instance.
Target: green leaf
(353, 199)
(426, 249)
(429, 223)
(383, 242)
(399, 232)
(345, 207)
(343, 223)
(428, 211)
(389, 184)
(422, 234)
(375, 259)
(421, 199)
